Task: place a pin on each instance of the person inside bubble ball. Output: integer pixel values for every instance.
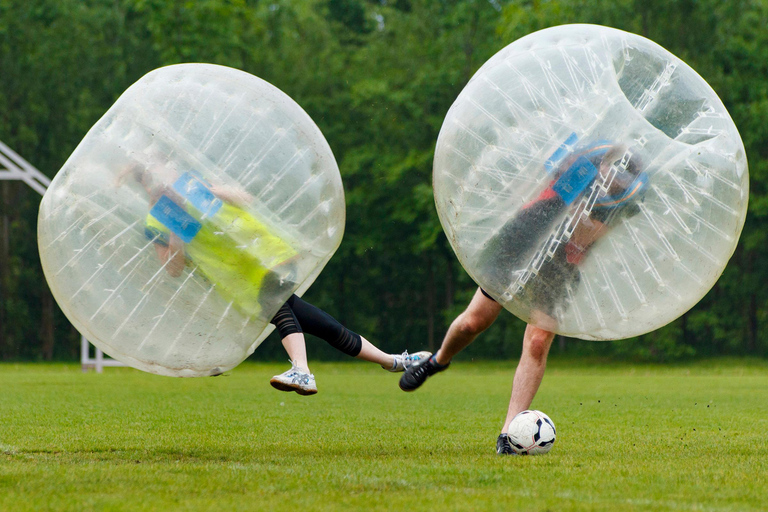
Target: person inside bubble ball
(597, 184)
(205, 226)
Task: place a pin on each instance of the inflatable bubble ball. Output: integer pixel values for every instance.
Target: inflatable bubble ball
(591, 182)
(187, 216)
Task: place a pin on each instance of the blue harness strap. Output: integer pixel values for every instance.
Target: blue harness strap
(194, 190)
(564, 150)
(175, 218)
(634, 191)
(575, 180)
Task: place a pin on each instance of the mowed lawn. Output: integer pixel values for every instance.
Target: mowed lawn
(689, 437)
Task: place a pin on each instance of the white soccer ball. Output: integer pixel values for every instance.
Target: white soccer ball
(532, 433)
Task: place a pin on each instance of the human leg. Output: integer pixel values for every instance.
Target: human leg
(369, 352)
(296, 347)
(479, 315)
(529, 372)
(292, 336)
(298, 378)
(317, 322)
(391, 362)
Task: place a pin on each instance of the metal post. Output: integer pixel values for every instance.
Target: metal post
(14, 167)
(84, 356)
(99, 361)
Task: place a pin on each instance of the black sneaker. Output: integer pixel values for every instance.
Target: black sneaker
(504, 445)
(418, 372)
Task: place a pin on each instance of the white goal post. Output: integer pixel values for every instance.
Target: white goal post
(14, 167)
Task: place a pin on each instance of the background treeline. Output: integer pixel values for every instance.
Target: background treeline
(378, 77)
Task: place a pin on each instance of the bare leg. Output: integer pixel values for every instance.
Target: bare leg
(530, 371)
(297, 350)
(369, 352)
(314, 320)
(478, 316)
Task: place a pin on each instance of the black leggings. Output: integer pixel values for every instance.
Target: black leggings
(297, 316)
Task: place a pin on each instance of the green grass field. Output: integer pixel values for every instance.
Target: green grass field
(630, 437)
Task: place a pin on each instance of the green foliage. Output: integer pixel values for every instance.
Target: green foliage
(378, 78)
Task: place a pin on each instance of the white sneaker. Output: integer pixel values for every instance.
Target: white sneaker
(404, 360)
(295, 380)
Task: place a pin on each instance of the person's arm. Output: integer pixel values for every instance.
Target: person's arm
(232, 195)
(173, 255)
(586, 232)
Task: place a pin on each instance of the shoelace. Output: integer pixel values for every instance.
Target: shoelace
(298, 377)
(301, 378)
(405, 358)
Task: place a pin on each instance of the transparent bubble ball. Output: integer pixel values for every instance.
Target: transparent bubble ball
(591, 182)
(187, 216)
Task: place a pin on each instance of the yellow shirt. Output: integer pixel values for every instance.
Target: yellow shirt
(232, 249)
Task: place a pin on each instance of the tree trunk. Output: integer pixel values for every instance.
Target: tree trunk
(711, 331)
(46, 322)
(645, 21)
(449, 284)
(4, 270)
(751, 306)
(752, 336)
(469, 46)
(342, 310)
(430, 303)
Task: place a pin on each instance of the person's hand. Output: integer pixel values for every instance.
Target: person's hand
(172, 256)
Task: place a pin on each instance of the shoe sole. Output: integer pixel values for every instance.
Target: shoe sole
(282, 386)
(408, 390)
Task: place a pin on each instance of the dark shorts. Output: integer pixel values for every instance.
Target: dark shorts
(486, 294)
(547, 291)
(272, 287)
(514, 246)
(519, 239)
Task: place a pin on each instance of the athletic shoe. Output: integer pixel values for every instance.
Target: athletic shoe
(417, 373)
(405, 360)
(295, 380)
(504, 445)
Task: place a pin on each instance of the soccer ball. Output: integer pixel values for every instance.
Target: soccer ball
(532, 433)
